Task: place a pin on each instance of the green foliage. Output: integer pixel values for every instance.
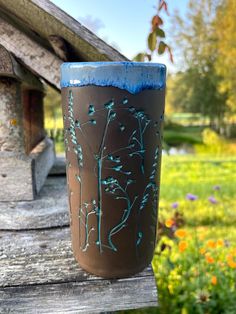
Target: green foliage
(155, 44)
(52, 103)
(193, 282)
(195, 264)
(197, 174)
(160, 33)
(214, 144)
(225, 26)
(178, 138)
(176, 134)
(196, 87)
(161, 48)
(152, 41)
(140, 57)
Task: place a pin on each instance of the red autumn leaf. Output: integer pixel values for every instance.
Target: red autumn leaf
(156, 22)
(163, 5)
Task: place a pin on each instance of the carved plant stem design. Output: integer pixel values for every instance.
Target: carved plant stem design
(151, 188)
(137, 136)
(76, 146)
(113, 187)
(99, 159)
(110, 160)
(85, 212)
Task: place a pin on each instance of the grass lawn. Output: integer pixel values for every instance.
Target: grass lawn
(195, 261)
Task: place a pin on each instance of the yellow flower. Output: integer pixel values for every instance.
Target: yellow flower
(201, 236)
(170, 288)
(220, 242)
(233, 251)
(211, 244)
(169, 223)
(13, 122)
(210, 259)
(214, 280)
(180, 233)
(182, 246)
(202, 250)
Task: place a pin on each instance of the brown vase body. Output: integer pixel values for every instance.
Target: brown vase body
(113, 153)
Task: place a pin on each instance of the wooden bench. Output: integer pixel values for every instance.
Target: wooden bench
(38, 273)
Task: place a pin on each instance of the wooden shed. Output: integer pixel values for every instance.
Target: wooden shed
(37, 270)
(35, 38)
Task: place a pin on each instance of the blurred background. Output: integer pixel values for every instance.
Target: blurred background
(195, 259)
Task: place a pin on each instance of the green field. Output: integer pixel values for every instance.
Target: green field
(189, 282)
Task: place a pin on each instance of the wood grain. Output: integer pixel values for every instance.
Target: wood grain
(45, 18)
(93, 296)
(38, 271)
(16, 182)
(40, 60)
(10, 67)
(59, 167)
(21, 176)
(49, 209)
(43, 156)
(11, 124)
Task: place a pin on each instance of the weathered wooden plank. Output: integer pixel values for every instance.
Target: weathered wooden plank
(10, 67)
(11, 125)
(40, 257)
(40, 60)
(21, 176)
(16, 182)
(49, 209)
(38, 272)
(59, 167)
(47, 19)
(80, 297)
(33, 118)
(43, 156)
(5, 62)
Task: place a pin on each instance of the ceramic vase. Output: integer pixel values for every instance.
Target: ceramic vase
(113, 114)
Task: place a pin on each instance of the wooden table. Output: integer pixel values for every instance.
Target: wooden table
(38, 273)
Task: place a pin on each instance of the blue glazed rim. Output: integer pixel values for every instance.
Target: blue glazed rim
(131, 76)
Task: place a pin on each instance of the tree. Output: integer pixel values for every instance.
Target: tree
(196, 88)
(225, 25)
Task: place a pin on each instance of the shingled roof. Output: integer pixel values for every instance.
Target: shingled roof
(42, 36)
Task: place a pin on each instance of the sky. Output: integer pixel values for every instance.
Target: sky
(124, 24)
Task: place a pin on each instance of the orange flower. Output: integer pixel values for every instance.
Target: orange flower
(210, 259)
(231, 262)
(180, 233)
(182, 246)
(229, 257)
(202, 250)
(220, 242)
(214, 280)
(211, 244)
(13, 122)
(169, 223)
